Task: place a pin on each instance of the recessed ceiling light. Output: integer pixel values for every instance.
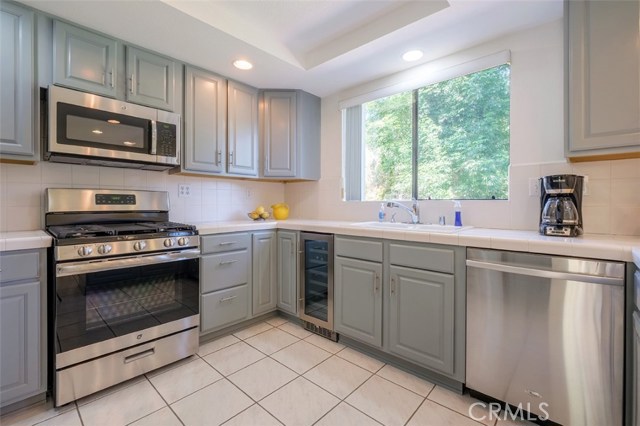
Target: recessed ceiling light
(412, 55)
(97, 131)
(241, 64)
(113, 121)
(129, 143)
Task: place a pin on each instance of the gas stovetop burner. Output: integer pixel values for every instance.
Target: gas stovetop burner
(117, 229)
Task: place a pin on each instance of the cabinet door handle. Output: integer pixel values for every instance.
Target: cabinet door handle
(226, 299)
(393, 285)
(132, 82)
(111, 77)
(377, 283)
(230, 157)
(219, 158)
(228, 262)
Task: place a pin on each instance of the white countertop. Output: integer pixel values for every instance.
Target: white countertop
(594, 246)
(24, 240)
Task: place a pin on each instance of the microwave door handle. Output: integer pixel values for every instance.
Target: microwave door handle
(154, 137)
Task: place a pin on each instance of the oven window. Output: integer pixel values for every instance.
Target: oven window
(98, 306)
(102, 129)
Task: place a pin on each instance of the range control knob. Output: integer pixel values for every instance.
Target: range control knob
(169, 242)
(183, 241)
(85, 251)
(139, 245)
(104, 249)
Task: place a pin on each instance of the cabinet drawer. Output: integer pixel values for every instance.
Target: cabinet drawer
(225, 242)
(359, 249)
(19, 266)
(224, 270)
(429, 258)
(224, 307)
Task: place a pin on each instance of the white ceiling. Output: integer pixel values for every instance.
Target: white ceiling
(321, 46)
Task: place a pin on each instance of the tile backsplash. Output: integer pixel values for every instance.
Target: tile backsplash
(212, 199)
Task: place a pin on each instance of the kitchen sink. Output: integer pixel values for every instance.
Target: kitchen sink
(419, 227)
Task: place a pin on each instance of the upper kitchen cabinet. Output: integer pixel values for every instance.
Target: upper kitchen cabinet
(17, 83)
(604, 79)
(205, 119)
(242, 129)
(151, 79)
(84, 60)
(96, 63)
(291, 134)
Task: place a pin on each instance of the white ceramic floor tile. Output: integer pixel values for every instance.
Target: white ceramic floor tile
(260, 379)
(406, 380)
(460, 403)
(233, 358)
(162, 417)
(344, 414)
(361, 359)
(245, 333)
(217, 344)
(254, 416)
(326, 344)
(338, 376)
(212, 405)
(70, 418)
(276, 321)
(184, 380)
(122, 407)
(301, 356)
(271, 341)
(112, 389)
(299, 403)
(386, 402)
(432, 414)
(171, 366)
(35, 414)
(295, 329)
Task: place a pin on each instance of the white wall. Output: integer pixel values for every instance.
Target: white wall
(212, 199)
(537, 149)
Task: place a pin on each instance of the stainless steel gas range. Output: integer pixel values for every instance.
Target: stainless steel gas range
(123, 291)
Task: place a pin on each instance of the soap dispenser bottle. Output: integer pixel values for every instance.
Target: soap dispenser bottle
(381, 213)
(457, 209)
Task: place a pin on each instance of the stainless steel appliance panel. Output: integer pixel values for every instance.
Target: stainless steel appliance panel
(316, 279)
(547, 330)
(636, 367)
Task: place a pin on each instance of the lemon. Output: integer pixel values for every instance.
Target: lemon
(259, 210)
(264, 215)
(254, 215)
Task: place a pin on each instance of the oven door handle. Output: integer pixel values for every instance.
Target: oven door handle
(77, 268)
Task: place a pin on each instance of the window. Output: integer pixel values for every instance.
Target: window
(448, 140)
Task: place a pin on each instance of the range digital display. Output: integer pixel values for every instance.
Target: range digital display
(115, 199)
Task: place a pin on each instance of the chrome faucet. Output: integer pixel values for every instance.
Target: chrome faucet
(414, 211)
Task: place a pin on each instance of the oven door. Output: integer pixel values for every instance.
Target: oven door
(105, 306)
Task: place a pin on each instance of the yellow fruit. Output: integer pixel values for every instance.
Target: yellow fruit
(259, 210)
(264, 215)
(254, 215)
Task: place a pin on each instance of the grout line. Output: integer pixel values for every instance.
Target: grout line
(415, 411)
(451, 409)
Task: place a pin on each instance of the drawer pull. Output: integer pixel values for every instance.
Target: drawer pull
(226, 299)
(228, 262)
(139, 355)
(226, 243)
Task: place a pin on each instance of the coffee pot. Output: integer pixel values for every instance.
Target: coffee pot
(561, 205)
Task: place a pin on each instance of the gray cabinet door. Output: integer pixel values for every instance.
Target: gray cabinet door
(421, 317)
(604, 77)
(150, 79)
(225, 307)
(205, 119)
(16, 81)
(358, 300)
(84, 60)
(279, 139)
(242, 124)
(287, 272)
(19, 341)
(264, 272)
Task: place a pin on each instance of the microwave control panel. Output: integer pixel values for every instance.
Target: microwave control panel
(166, 139)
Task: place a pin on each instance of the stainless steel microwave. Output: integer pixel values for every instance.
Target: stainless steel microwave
(91, 129)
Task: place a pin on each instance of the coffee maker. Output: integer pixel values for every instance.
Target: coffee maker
(561, 205)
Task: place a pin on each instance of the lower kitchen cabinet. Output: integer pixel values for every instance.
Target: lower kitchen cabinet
(225, 307)
(22, 326)
(358, 300)
(264, 272)
(287, 278)
(421, 317)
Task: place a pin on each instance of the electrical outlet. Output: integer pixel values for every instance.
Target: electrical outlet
(534, 187)
(184, 191)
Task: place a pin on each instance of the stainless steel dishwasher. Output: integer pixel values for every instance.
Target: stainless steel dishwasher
(546, 334)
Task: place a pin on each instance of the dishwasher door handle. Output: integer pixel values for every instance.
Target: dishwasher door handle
(542, 273)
